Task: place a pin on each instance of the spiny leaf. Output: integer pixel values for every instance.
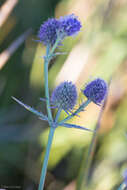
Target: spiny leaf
(41, 115)
(74, 126)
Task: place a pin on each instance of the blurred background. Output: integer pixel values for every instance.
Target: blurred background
(100, 50)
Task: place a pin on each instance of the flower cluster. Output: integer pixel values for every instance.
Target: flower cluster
(96, 90)
(64, 96)
(53, 28)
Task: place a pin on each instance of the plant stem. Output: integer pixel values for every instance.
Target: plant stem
(85, 104)
(58, 114)
(50, 118)
(45, 163)
(49, 54)
(46, 84)
(55, 45)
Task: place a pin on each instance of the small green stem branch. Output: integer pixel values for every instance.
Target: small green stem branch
(58, 114)
(48, 57)
(46, 84)
(55, 46)
(86, 163)
(85, 104)
(45, 163)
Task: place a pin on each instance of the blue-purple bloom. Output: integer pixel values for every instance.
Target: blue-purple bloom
(96, 90)
(70, 25)
(64, 96)
(53, 28)
(48, 31)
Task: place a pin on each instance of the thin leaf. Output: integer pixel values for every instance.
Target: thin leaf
(41, 115)
(74, 126)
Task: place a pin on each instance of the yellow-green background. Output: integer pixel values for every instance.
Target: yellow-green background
(101, 49)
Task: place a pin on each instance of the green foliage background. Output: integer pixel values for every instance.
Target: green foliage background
(23, 137)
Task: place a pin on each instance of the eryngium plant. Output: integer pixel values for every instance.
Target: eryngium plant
(64, 97)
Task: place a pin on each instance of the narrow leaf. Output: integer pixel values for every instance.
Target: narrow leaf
(41, 115)
(74, 126)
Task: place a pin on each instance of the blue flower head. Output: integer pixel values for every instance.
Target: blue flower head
(70, 25)
(96, 90)
(64, 96)
(48, 31)
(63, 27)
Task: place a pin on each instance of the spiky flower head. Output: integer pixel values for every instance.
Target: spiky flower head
(48, 31)
(53, 28)
(70, 25)
(64, 96)
(96, 90)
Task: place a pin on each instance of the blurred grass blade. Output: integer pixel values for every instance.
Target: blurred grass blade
(82, 182)
(6, 10)
(6, 54)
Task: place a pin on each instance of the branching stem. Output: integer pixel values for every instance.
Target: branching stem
(49, 54)
(85, 104)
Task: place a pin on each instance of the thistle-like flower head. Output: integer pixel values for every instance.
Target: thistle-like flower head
(96, 90)
(53, 28)
(70, 25)
(48, 31)
(64, 96)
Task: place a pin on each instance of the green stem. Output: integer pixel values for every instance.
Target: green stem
(46, 84)
(49, 54)
(85, 104)
(55, 46)
(45, 163)
(50, 118)
(58, 114)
